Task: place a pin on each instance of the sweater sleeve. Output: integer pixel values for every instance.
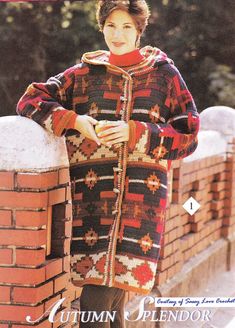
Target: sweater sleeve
(49, 104)
(175, 139)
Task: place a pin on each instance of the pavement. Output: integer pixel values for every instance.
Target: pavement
(222, 285)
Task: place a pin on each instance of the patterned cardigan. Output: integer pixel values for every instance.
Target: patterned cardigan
(119, 193)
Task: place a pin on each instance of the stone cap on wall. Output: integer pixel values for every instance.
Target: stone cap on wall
(219, 118)
(217, 129)
(25, 145)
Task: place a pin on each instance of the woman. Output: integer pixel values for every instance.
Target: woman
(119, 171)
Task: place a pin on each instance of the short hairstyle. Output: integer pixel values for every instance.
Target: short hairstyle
(138, 9)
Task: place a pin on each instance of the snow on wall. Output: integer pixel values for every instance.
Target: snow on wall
(216, 129)
(25, 145)
(219, 118)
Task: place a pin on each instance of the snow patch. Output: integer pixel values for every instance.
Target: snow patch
(25, 145)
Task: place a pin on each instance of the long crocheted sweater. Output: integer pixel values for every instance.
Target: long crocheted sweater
(119, 193)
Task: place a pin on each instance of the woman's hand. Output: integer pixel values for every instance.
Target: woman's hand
(116, 133)
(85, 125)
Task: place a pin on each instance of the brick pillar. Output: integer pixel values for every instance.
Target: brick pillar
(228, 228)
(35, 223)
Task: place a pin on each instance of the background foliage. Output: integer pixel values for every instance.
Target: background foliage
(40, 39)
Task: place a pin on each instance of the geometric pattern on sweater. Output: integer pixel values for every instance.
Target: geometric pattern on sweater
(88, 149)
(119, 196)
(139, 272)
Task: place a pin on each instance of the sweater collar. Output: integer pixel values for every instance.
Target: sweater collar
(152, 56)
(131, 58)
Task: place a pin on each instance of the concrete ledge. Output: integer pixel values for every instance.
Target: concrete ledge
(231, 252)
(211, 262)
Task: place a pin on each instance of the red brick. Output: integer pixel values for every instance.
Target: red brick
(67, 229)
(228, 203)
(61, 282)
(78, 291)
(22, 276)
(227, 221)
(165, 240)
(19, 313)
(179, 232)
(195, 227)
(172, 235)
(16, 199)
(5, 218)
(67, 246)
(175, 245)
(68, 193)
(164, 264)
(37, 180)
(23, 237)
(178, 266)
(52, 301)
(7, 180)
(57, 196)
(32, 295)
(68, 211)
(64, 176)
(196, 185)
(187, 229)
(176, 173)
(5, 293)
(161, 277)
(166, 250)
(227, 231)
(43, 324)
(184, 243)
(66, 263)
(174, 210)
(69, 296)
(217, 205)
(6, 256)
(218, 186)
(31, 218)
(172, 223)
(53, 268)
(194, 218)
(30, 257)
(57, 323)
(3, 325)
(178, 256)
(176, 184)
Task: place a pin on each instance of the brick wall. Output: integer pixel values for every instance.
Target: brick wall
(35, 230)
(211, 182)
(35, 227)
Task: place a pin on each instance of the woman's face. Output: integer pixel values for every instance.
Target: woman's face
(120, 32)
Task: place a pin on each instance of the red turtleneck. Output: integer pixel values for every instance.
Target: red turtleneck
(131, 58)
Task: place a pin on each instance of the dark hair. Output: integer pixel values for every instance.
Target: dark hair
(138, 9)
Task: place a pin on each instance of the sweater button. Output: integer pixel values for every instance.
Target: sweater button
(114, 212)
(117, 191)
(117, 169)
(122, 98)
